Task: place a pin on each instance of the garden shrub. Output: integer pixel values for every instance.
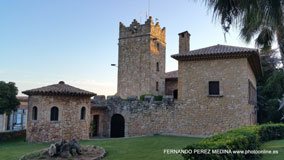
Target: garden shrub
(4, 136)
(271, 132)
(158, 98)
(246, 138)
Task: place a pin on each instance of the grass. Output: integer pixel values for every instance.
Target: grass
(139, 148)
(274, 145)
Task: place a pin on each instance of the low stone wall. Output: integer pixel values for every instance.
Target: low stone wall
(174, 118)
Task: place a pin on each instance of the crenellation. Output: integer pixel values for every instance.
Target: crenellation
(190, 107)
(141, 50)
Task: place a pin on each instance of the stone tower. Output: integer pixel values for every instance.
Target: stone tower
(141, 59)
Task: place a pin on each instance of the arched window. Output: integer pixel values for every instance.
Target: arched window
(83, 113)
(34, 113)
(54, 114)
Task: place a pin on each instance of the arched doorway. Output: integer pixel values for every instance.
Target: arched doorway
(117, 126)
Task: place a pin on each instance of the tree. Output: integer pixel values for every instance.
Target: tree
(270, 88)
(8, 99)
(260, 18)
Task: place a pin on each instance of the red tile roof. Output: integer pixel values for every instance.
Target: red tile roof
(59, 89)
(223, 52)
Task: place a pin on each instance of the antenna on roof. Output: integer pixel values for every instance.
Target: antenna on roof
(149, 7)
(148, 13)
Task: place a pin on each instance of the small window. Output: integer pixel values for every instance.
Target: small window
(83, 113)
(54, 114)
(157, 67)
(158, 46)
(157, 86)
(34, 113)
(214, 88)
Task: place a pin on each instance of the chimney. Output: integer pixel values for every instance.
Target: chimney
(184, 38)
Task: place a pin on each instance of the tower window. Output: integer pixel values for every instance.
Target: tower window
(34, 113)
(83, 113)
(54, 114)
(157, 67)
(157, 86)
(158, 46)
(214, 88)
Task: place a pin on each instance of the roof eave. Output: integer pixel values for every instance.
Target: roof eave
(252, 56)
(32, 93)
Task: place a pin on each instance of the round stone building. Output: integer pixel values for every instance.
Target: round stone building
(58, 111)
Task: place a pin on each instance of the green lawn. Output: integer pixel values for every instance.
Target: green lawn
(274, 145)
(140, 148)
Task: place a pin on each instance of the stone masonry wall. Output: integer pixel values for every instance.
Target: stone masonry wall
(232, 105)
(141, 46)
(195, 113)
(177, 118)
(69, 124)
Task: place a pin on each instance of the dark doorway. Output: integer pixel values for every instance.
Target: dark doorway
(8, 122)
(95, 126)
(175, 94)
(117, 126)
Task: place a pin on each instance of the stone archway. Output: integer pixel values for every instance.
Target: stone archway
(117, 126)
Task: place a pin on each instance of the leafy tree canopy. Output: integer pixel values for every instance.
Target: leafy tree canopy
(8, 99)
(263, 19)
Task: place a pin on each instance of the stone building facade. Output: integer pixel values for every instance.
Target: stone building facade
(213, 91)
(57, 112)
(141, 62)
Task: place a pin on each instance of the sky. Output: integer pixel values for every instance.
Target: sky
(43, 42)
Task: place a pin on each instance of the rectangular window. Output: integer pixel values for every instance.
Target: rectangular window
(214, 88)
(19, 118)
(158, 46)
(157, 86)
(157, 67)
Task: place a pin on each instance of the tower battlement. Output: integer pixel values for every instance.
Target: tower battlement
(141, 59)
(135, 29)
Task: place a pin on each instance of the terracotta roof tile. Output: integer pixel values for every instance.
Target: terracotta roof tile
(223, 52)
(59, 89)
(218, 49)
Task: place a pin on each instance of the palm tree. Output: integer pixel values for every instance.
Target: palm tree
(260, 18)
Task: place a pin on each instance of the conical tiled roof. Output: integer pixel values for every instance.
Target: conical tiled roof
(59, 89)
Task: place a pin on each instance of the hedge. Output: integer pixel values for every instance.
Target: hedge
(4, 136)
(242, 139)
